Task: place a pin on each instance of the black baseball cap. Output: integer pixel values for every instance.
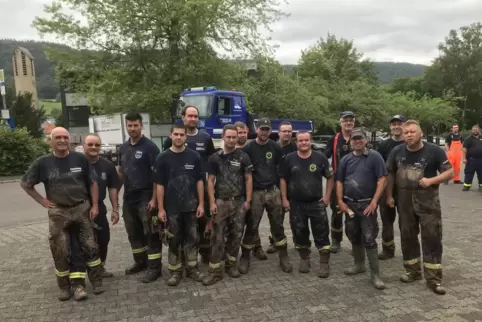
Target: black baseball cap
(357, 133)
(264, 122)
(397, 117)
(347, 114)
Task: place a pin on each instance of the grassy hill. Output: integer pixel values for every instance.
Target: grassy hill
(48, 88)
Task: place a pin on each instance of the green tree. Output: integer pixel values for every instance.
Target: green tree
(25, 115)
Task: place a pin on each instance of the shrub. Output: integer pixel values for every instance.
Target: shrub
(18, 150)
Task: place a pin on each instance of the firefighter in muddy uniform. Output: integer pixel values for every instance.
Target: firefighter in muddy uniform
(71, 200)
(388, 213)
(266, 156)
(202, 143)
(413, 168)
(301, 186)
(179, 176)
(339, 146)
(136, 163)
(454, 147)
(230, 188)
(360, 182)
(107, 179)
(472, 157)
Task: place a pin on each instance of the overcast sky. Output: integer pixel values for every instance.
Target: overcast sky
(384, 30)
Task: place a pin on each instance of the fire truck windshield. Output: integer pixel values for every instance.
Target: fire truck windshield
(204, 104)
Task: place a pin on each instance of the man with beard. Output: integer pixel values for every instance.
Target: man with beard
(472, 157)
(230, 188)
(413, 168)
(301, 185)
(107, 179)
(72, 200)
(387, 212)
(136, 163)
(266, 156)
(339, 146)
(360, 182)
(179, 176)
(202, 143)
(453, 146)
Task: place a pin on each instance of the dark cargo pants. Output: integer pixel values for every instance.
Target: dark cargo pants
(388, 216)
(230, 218)
(204, 244)
(183, 232)
(303, 214)
(336, 219)
(102, 237)
(419, 211)
(61, 219)
(361, 230)
(472, 167)
(269, 199)
(142, 228)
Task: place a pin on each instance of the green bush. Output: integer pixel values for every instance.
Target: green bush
(18, 150)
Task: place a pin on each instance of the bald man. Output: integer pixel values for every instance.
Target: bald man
(71, 200)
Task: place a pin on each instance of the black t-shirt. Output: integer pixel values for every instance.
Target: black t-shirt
(425, 162)
(386, 146)
(474, 147)
(360, 174)
(137, 162)
(201, 142)
(343, 148)
(106, 177)
(67, 180)
(453, 137)
(304, 177)
(229, 171)
(266, 159)
(287, 149)
(179, 174)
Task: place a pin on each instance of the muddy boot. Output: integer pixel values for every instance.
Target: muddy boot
(64, 294)
(410, 277)
(212, 277)
(324, 264)
(437, 289)
(195, 274)
(335, 246)
(136, 268)
(372, 255)
(272, 248)
(174, 279)
(79, 293)
(359, 258)
(232, 270)
(466, 188)
(305, 264)
(244, 260)
(150, 276)
(97, 287)
(259, 253)
(284, 261)
(107, 274)
(386, 253)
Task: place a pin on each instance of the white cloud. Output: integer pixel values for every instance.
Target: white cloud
(384, 30)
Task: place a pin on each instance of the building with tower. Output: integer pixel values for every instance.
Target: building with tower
(24, 73)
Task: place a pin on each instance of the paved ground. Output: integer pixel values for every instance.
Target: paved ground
(27, 280)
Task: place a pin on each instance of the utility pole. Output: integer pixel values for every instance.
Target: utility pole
(5, 112)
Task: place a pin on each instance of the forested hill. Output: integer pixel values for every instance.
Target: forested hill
(48, 88)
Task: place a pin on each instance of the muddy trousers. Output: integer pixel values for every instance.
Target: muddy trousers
(388, 216)
(472, 167)
(336, 219)
(204, 238)
(269, 199)
(60, 221)
(142, 228)
(230, 218)
(419, 212)
(78, 266)
(184, 236)
(303, 214)
(361, 230)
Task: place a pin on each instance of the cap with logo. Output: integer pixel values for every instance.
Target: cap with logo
(397, 117)
(357, 133)
(264, 123)
(347, 114)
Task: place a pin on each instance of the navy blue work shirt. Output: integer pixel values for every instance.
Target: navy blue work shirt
(360, 174)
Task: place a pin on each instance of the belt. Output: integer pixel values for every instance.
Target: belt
(357, 200)
(230, 198)
(271, 188)
(71, 206)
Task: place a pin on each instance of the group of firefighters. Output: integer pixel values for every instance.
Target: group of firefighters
(210, 202)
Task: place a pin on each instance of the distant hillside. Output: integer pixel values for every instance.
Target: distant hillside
(48, 88)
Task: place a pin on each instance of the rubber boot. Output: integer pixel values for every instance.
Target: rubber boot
(213, 277)
(372, 255)
(335, 246)
(386, 253)
(244, 260)
(259, 253)
(151, 275)
(97, 287)
(324, 263)
(272, 247)
(195, 274)
(174, 279)
(437, 289)
(232, 270)
(79, 293)
(359, 258)
(284, 261)
(64, 294)
(136, 268)
(304, 260)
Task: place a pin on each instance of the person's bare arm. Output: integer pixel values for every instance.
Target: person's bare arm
(32, 192)
(200, 192)
(248, 178)
(212, 198)
(389, 186)
(381, 187)
(339, 192)
(120, 173)
(283, 188)
(330, 183)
